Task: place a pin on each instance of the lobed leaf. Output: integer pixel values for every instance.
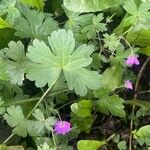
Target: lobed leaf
(60, 57)
(35, 25)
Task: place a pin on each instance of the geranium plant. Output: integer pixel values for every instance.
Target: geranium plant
(74, 74)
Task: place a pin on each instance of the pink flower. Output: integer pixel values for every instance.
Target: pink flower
(62, 127)
(132, 59)
(128, 84)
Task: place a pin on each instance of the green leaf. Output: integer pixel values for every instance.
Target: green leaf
(90, 144)
(4, 24)
(62, 58)
(145, 51)
(76, 22)
(130, 6)
(3, 147)
(111, 78)
(39, 4)
(7, 7)
(8, 90)
(116, 139)
(83, 123)
(143, 135)
(120, 55)
(137, 19)
(83, 108)
(140, 38)
(16, 119)
(111, 41)
(35, 24)
(45, 146)
(122, 145)
(96, 26)
(16, 62)
(90, 6)
(112, 104)
(42, 124)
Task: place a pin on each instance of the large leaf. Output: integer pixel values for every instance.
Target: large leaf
(140, 38)
(35, 25)
(90, 5)
(62, 58)
(89, 144)
(34, 3)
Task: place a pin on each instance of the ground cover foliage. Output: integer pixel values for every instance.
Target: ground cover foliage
(75, 75)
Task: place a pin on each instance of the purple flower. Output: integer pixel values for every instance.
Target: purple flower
(62, 127)
(132, 59)
(128, 84)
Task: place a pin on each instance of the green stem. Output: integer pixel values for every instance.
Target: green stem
(19, 102)
(53, 136)
(37, 104)
(8, 138)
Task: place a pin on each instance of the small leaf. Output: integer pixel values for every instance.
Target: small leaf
(111, 41)
(90, 144)
(16, 62)
(45, 146)
(35, 24)
(122, 145)
(112, 104)
(42, 124)
(7, 7)
(16, 119)
(82, 108)
(83, 123)
(111, 78)
(143, 135)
